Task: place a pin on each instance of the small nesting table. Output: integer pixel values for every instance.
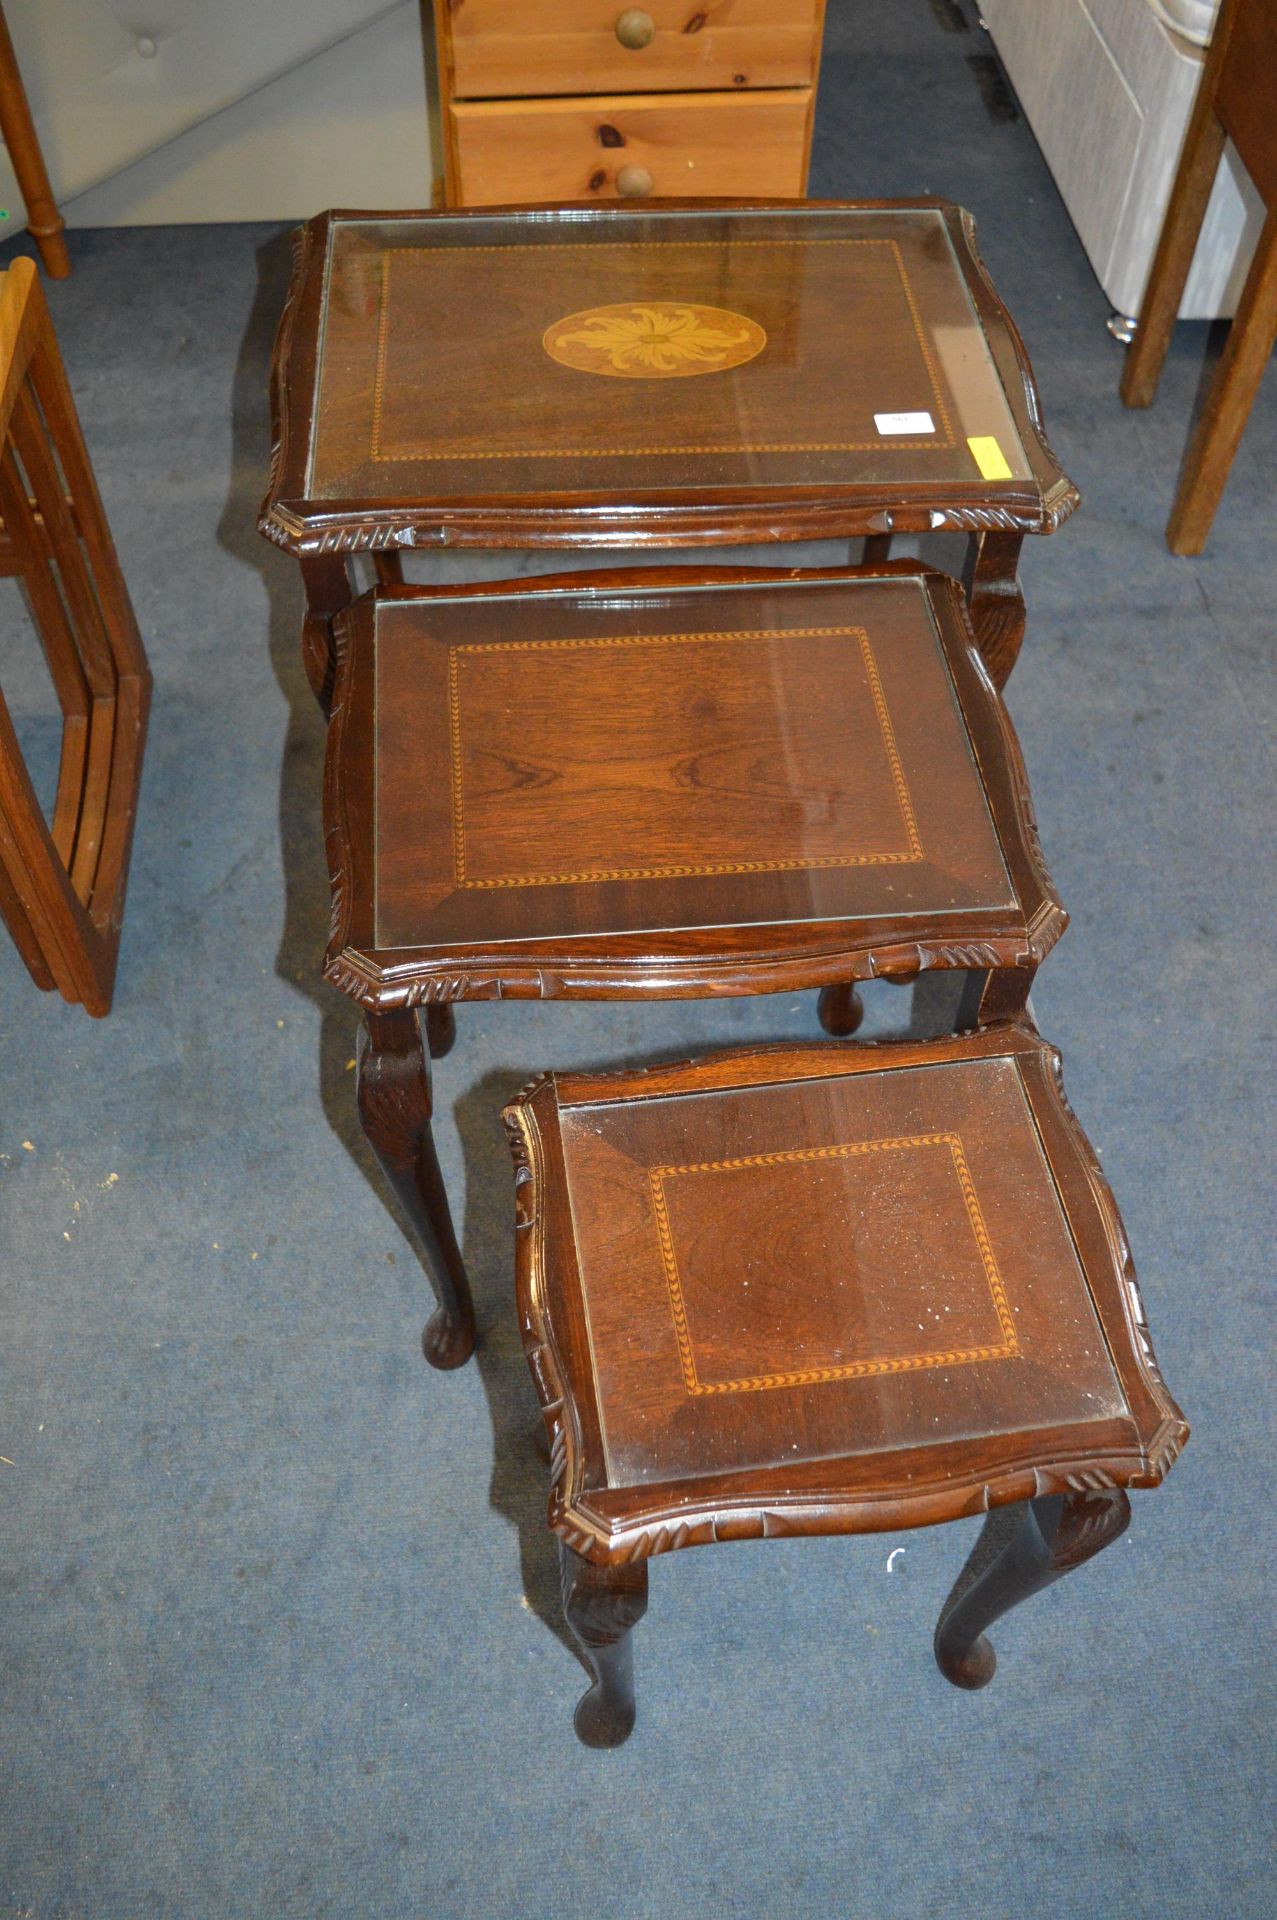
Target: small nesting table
(828, 1290)
(689, 375)
(661, 784)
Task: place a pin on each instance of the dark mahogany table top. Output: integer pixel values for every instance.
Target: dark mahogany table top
(673, 782)
(698, 371)
(826, 1289)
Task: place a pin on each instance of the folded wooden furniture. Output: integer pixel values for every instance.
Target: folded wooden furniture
(687, 375)
(813, 1290)
(62, 883)
(661, 784)
(1236, 100)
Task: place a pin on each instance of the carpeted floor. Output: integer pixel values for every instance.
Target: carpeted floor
(280, 1633)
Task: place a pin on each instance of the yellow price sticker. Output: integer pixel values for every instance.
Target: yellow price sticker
(989, 457)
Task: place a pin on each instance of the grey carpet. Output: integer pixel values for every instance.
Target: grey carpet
(280, 1634)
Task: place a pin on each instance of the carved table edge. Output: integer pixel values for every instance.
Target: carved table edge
(1061, 498)
(281, 354)
(576, 1516)
(557, 1406)
(603, 520)
(1132, 1301)
(365, 978)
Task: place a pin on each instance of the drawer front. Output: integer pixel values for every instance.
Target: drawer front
(634, 147)
(510, 48)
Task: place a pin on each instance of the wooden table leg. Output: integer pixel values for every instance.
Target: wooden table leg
(395, 1106)
(1021, 1549)
(441, 1029)
(1185, 211)
(840, 1009)
(992, 584)
(993, 993)
(44, 222)
(1232, 393)
(988, 994)
(326, 579)
(603, 1605)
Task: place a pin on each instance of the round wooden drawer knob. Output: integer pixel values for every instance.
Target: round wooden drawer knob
(635, 28)
(634, 183)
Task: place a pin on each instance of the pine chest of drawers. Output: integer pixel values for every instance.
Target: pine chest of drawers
(570, 100)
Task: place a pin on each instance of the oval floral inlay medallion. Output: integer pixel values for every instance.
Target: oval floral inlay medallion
(653, 340)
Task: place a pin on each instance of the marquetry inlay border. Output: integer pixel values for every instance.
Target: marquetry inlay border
(1007, 1349)
(932, 442)
(754, 635)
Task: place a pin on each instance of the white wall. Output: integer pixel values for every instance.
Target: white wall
(223, 109)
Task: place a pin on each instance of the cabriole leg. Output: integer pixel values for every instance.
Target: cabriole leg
(840, 1009)
(395, 1106)
(441, 1028)
(327, 582)
(1021, 1549)
(992, 584)
(603, 1605)
(995, 993)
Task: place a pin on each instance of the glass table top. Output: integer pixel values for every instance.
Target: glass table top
(588, 765)
(576, 353)
(826, 1269)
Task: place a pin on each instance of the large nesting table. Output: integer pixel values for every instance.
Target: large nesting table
(687, 375)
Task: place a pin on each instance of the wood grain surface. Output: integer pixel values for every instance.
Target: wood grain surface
(808, 1290)
(674, 782)
(504, 48)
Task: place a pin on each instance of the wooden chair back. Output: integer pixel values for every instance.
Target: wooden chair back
(62, 881)
(1242, 75)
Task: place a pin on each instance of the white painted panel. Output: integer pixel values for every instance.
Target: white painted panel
(1195, 19)
(346, 129)
(1230, 233)
(1085, 117)
(112, 80)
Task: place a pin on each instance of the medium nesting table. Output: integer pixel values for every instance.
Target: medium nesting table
(661, 784)
(828, 1290)
(687, 375)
